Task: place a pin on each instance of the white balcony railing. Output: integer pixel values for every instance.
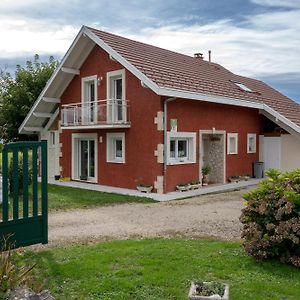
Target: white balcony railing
(101, 112)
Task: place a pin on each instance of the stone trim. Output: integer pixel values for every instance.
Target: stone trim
(159, 153)
(159, 184)
(159, 120)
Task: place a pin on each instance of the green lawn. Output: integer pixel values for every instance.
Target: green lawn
(64, 198)
(60, 197)
(160, 269)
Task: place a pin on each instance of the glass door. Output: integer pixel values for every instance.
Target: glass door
(89, 104)
(115, 108)
(86, 159)
(118, 96)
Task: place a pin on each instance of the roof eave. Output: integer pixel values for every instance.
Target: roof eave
(42, 94)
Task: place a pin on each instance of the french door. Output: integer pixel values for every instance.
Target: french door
(86, 159)
(89, 105)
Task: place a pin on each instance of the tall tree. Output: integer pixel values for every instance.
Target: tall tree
(18, 93)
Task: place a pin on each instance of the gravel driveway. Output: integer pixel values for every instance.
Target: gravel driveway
(206, 216)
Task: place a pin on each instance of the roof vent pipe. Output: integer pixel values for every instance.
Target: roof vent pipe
(209, 55)
(198, 55)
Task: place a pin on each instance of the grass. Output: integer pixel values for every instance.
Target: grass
(155, 269)
(64, 198)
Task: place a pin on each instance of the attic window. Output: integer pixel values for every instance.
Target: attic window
(242, 86)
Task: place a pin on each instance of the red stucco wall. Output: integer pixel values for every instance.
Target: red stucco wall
(142, 138)
(194, 116)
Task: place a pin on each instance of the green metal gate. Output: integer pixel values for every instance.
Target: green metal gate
(24, 205)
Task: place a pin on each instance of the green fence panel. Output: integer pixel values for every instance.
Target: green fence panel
(31, 226)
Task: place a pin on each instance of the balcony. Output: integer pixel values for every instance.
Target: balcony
(108, 113)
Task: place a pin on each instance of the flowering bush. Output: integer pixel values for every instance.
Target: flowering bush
(271, 219)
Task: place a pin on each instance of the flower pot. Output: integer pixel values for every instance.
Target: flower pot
(144, 189)
(183, 188)
(195, 186)
(233, 179)
(194, 296)
(205, 180)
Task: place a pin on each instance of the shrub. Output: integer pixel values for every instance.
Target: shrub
(20, 174)
(12, 273)
(271, 219)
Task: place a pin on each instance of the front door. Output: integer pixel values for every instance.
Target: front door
(86, 159)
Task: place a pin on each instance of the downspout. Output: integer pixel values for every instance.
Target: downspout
(165, 138)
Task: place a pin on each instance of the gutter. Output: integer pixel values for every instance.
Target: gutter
(165, 138)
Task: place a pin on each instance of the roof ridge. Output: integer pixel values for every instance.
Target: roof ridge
(146, 44)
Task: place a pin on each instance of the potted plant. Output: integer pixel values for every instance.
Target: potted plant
(144, 187)
(201, 290)
(183, 187)
(195, 184)
(234, 178)
(205, 171)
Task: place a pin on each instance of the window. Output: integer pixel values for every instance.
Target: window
(232, 143)
(251, 143)
(242, 86)
(181, 147)
(116, 96)
(52, 138)
(115, 151)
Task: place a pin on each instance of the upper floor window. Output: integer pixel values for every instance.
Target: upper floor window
(232, 143)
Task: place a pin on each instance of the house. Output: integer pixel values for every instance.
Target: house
(118, 112)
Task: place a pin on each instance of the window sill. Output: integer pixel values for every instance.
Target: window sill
(86, 181)
(115, 161)
(186, 162)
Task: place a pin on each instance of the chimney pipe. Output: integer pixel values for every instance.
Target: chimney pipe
(198, 55)
(209, 55)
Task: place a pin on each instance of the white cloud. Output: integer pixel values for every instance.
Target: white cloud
(265, 44)
(25, 37)
(278, 3)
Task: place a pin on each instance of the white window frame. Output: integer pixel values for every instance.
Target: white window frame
(75, 138)
(235, 136)
(115, 75)
(84, 80)
(249, 136)
(190, 137)
(110, 147)
(112, 106)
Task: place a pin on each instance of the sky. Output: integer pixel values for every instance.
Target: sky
(255, 38)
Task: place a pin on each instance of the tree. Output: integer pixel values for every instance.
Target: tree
(17, 94)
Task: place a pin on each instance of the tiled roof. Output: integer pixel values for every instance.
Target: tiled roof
(173, 70)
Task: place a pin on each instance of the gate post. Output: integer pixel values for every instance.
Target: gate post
(45, 190)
